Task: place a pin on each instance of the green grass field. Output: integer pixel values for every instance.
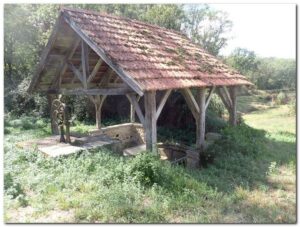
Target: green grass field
(243, 185)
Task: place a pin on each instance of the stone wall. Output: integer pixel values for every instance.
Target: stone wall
(130, 134)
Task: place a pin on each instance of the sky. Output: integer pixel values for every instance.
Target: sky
(267, 29)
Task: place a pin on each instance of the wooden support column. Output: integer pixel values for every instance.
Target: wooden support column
(232, 112)
(150, 121)
(98, 102)
(200, 120)
(54, 127)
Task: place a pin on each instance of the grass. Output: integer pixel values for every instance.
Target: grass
(252, 180)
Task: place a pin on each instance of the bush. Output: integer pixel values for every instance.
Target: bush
(281, 98)
(240, 139)
(214, 123)
(12, 188)
(216, 106)
(147, 169)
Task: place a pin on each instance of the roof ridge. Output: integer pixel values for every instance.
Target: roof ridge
(93, 12)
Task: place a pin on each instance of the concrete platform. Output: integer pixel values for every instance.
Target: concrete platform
(51, 146)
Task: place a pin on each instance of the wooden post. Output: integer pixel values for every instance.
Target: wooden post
(98, 115)
(200, 120)
(54, 126)
(98, 102)
(150, 121)
(132, 113)
(232, 112)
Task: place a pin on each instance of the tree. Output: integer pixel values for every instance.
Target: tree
(245, 61)
(207, 27)
(265, 73)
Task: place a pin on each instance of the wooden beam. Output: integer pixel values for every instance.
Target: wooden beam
(132, 110)
(232, 112)
(64, 64)
(84, 63)
(227, 95)
(106, 78)
(75, 77)
(99, 100)
(150, 121)
(95, 70)
(223, 98)
(77, 73)
(99, 91)
(200, 121)
(125, 77)
(133, 100)
(45, 54)
(209, 96)
(191, 102)
(162, 103)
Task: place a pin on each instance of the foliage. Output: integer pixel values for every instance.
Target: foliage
(216, 106)
(207, 27)
(241, 139)
(281, 98)
(147, 169)
(265, 73)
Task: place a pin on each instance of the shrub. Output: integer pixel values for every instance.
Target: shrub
(12, 188)
(216, 106)
(214, 123)
(240, 139)
(281, 98)
(147, 169)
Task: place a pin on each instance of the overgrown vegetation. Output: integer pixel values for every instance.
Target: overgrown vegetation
(252, 179)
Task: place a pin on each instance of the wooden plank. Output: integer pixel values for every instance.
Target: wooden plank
(126, 78)
(99, 91)
(133, 100)
(191, 102)
(163, 102)
(200, 121)
(44, 56)
(150, 121)
(209, 96)
(95, 70)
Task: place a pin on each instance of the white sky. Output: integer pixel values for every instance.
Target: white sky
(267, 29)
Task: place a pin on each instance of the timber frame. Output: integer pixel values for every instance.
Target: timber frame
(81, 67)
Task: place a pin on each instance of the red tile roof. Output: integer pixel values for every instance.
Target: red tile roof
(153, 58)
(156, 58)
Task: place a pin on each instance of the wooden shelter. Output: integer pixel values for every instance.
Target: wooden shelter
(98, 55)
